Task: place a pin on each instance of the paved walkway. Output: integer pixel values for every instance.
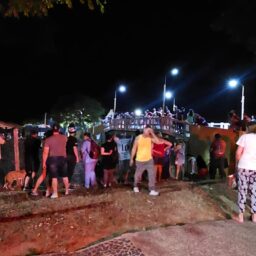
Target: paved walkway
(221, 238)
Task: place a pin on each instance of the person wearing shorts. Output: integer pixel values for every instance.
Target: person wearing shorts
(55, 160)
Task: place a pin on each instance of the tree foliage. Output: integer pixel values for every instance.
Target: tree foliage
(15, 8)
(79, 109)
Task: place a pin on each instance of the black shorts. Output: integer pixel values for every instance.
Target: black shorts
(158, 160)
(57, 166)
(31, 165)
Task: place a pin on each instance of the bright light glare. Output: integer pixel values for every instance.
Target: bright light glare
(233, 83)
(175, 72)
(122, 88)
(168, 95)
(138, 112)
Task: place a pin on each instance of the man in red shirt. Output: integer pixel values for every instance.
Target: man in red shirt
(217, 156)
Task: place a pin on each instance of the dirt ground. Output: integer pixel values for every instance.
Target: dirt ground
(35, 225)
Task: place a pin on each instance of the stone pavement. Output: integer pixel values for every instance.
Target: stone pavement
(221, 238)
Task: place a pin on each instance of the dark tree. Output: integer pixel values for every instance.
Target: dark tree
(79, 109)
(15, 8)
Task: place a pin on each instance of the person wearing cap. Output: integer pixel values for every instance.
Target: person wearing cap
(246, 170)
(142, 149)
(72, 152)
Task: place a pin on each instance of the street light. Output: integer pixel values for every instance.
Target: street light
(168, 95)
(122, 89)
(173, 72)
(138, 112)
(233, 83)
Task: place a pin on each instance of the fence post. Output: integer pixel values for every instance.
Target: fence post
(16, 148)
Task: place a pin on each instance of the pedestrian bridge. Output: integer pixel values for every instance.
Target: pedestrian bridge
(165, 125)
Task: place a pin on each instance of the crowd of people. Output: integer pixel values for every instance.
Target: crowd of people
(60, 154)
(161, 157)
(238, 124)
(179, 114)
(150, 151)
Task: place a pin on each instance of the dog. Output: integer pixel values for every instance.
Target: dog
(12, 176)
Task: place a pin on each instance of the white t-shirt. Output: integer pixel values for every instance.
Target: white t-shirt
(248, 158)
(123, 148)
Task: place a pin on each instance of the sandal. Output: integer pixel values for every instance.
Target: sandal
(237, 219)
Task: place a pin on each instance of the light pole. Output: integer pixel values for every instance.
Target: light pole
(233, 83)
(174, 72)
(121, 89)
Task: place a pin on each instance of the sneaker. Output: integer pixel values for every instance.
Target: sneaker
(47, 193)
(34, 193)
(153, 193)
(54, 195)
(136, 190)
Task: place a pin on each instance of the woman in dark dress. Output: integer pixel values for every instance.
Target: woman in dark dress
(109, 159)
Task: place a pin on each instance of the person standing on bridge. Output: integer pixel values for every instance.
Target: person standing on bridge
(142, 148)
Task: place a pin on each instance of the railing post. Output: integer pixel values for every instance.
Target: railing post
(16, 149)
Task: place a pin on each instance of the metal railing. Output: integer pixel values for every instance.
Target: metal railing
(220, 125)
(165, 124)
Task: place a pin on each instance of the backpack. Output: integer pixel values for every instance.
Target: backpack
(95, 150)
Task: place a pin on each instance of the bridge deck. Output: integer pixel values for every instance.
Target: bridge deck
(166, 125)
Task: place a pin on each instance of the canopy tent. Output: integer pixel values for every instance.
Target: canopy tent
(5, 125)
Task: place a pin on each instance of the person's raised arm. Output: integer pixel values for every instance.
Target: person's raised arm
(154, 138)
(167, 143)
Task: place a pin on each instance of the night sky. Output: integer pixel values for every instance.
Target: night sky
(136, 43)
